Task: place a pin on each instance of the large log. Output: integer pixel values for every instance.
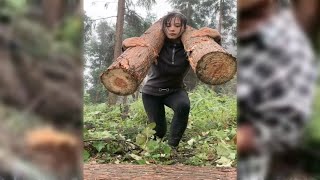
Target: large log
(125, 75)
(211, 63)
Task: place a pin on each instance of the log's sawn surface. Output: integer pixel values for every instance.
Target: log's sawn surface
(211, 63)
(125, 75)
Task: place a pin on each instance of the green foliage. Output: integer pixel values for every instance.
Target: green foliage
(86, 155)
(146, 3)
(312, 132)
(208, 140)
(98, 56)
(13, 8)
(71, 31)
(33, 37)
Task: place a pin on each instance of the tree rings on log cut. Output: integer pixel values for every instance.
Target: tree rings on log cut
(211, 63)
(216, 68)
(124, 75)
(119, 82)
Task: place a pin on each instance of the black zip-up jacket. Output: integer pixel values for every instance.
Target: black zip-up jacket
(167, 75)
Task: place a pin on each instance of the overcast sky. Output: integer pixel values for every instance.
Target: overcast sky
(96, 9)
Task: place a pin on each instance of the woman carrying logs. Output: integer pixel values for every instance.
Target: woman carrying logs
(164, 86)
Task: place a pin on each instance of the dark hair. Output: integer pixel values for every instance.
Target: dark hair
(175, 14)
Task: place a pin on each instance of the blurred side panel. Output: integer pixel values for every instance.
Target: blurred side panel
(41, 89)
(278, 60)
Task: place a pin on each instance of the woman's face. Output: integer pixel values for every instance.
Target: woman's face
(173, 28)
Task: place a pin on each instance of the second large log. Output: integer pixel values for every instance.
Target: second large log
(211, 63)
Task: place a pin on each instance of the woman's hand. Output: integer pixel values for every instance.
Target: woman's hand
(205, 31)
(133, 42)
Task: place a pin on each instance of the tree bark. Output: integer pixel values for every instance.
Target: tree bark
(211, 63)
(127, 72)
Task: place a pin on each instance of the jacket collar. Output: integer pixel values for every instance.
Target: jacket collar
(172, 44)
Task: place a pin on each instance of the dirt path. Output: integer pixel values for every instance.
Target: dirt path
(155, 172)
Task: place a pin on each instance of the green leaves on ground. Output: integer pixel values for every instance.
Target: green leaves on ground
(208, 140)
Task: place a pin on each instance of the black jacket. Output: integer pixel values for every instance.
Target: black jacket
(167, 75)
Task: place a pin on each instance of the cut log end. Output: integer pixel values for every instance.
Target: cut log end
(119, 82)
(216, 68)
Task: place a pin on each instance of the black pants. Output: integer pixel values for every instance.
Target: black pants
(179, 102)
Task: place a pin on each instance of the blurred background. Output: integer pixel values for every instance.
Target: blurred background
(253, 20)
(41, 89)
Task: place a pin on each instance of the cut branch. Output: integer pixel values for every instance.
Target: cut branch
(106, 140)
(102, 18)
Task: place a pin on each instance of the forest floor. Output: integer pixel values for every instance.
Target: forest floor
(95, 171)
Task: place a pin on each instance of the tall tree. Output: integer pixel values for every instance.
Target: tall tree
(112, 98)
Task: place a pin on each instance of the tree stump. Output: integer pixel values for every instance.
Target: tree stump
(128, 71)
(211, 63)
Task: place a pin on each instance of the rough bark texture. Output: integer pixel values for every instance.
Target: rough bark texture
(127, 72)
(111, 171)
(212, 64)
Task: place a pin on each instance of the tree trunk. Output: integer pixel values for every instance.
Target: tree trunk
(211, 63)
(112, 98)
(124, 76)
(190, 79)
(53, 12)
(125, 109)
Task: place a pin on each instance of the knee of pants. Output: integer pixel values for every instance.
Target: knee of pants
(183, 107)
